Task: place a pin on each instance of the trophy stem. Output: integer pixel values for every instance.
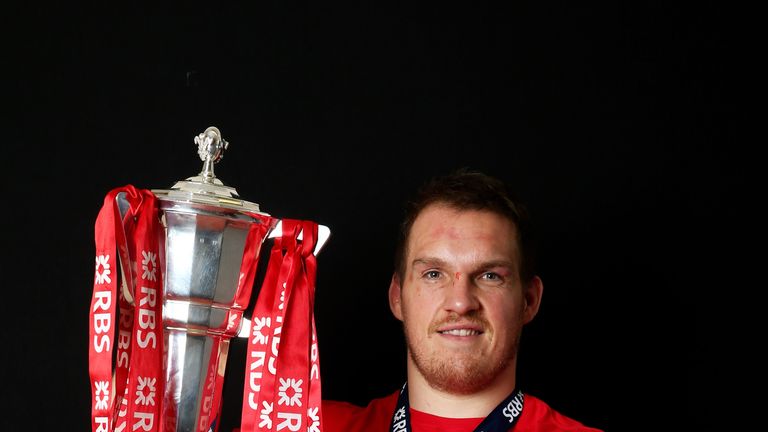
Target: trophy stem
(194, 367)
(207, 174)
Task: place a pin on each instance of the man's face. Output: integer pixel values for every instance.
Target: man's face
(461, 300)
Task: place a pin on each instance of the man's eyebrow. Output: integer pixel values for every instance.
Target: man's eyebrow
(428, 262)
(499, 263)
(437, 262)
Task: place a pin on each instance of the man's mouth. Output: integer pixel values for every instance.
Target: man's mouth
(460, 332)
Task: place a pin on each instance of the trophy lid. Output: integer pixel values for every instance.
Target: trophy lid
(205, 188)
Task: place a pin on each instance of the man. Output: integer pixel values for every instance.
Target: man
(464, 288)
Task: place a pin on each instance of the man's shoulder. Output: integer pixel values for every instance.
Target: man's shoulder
(348, 417)
(538, 416)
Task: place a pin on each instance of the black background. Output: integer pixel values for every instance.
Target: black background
(612, 121)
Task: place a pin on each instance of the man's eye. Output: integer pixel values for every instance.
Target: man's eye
(432, 274)
(491, 276)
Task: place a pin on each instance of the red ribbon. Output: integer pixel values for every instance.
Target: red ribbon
(138, 375)
(282, 385)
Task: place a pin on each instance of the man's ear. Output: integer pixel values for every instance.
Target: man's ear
(532, 296)
(395, 300)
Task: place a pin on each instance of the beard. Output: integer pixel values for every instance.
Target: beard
(463, 372)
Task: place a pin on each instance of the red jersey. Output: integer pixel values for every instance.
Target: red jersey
(537, 416)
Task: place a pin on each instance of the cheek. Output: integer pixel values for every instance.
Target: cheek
(418, 302)
(417, 314)
(504, 314)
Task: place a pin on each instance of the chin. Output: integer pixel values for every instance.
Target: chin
(461, 376)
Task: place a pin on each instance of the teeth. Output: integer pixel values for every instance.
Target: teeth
(461, 332)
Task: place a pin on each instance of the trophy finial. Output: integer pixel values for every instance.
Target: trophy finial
(210, 148)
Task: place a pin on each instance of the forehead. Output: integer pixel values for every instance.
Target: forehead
(443, 229)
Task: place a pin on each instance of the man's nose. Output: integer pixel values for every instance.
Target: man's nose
(461, 296)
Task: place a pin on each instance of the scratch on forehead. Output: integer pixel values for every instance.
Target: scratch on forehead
(458, 275)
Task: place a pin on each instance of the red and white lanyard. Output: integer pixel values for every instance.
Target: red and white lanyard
(282, 378)
(137, 387)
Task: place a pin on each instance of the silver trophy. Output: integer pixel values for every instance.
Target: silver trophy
(206, 225)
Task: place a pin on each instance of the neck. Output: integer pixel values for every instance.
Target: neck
(440, 402)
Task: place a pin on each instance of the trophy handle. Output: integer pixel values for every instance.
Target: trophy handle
(323, 233)
(123, 255)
